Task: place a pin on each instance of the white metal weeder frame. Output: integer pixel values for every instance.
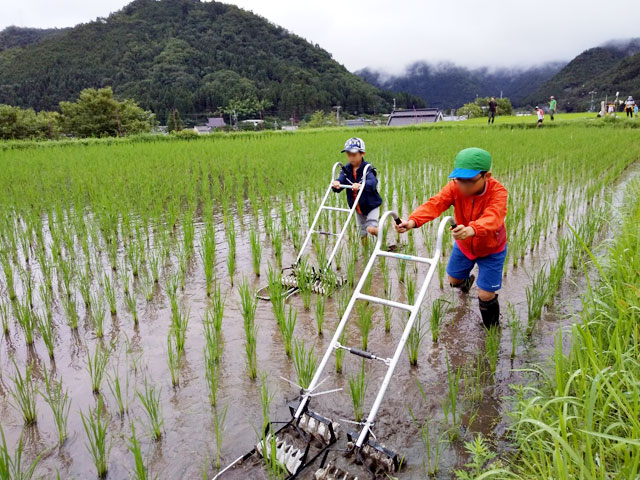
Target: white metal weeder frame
(291, 281)
(414, 310)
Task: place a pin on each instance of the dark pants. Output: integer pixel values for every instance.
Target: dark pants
(552, 113)
(629, 112)
(492, 117)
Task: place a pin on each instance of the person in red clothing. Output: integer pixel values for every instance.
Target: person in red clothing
(480, 206)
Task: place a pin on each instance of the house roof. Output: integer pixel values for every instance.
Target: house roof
(417, 115)
(215, 122)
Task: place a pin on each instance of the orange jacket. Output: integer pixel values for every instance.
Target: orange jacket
(484, 213)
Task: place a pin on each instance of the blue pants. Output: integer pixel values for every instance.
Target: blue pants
(489, 268)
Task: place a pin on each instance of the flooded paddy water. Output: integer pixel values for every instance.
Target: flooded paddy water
(187, 447)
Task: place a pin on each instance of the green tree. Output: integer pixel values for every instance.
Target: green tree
(97, 113)
(174, 122)
(470, 110)
(17, 123)
(320, 119)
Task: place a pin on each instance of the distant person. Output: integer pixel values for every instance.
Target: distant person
(635, 109)
(629, 105)
(493, 109)
(552, 107)
(368, 208)
(479, 206)
(611, 109)
(540, 114)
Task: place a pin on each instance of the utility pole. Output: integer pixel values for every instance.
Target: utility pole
(592, 93)
(394, 104)
(337, 107)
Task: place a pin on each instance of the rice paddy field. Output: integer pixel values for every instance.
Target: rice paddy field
(133, 345)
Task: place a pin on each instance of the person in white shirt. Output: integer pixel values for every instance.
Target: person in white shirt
(628, 106)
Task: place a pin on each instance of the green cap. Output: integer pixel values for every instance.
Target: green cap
(470, 162)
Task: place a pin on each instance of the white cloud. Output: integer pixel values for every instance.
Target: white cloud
(390, 35)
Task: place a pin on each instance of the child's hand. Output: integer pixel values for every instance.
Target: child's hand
(335, 184)
(461, 232)
(355, 186)
(405, 226)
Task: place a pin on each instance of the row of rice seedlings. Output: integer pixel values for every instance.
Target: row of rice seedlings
(276, 293)
(47, 333)
(304, 362)
(208, 255)
(58, 400)
(97, 315)
(11, 467)
(358, 390)
(248, 304)
(173, 359)
(179, 323)
(536, 295)
(150, 399)
(27, 320)
(212, 356)
(95, 424)
(131, 302)
(24, 393)
(515, 327)
(304, 276)
(287, 326)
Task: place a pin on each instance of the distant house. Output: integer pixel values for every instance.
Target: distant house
(253, 121)
(357, 122)
(400, 118)
(215, 122)
(211, 125)
(289, 128)
(200, 129)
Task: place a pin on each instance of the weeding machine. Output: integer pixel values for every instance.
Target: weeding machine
(308, 436)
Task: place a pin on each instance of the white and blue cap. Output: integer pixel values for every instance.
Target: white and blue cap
(354, 145)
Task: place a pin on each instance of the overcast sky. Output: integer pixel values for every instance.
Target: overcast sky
(391, 34)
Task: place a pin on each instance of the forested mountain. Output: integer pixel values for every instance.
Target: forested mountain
(610, 68)
(194, 56)
(21, 37)
(450, 86)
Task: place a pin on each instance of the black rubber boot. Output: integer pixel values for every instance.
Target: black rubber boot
(466, 285)
(490, 312)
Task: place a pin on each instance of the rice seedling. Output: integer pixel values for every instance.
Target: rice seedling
(179, 323)
(208, 255)
(305, 278)
(248, 304)
(47, 333)
(492, 346)
(11, 467)
(256, 250)
(96, 365)
(147, 285)
(69, 304)
(319, 312)
(173, 359)
(150, 399)
(218, 425)
(141, 471)
(28, 321)
(365, 322)
(24, 393)
(231, 246)
(276, 240)
(98, 313)
(286, 330)
(432, 448)
(212, 373)
(4, 316)
(536, 298)
(342, 302)
(339, 353)
(59, 402)
(95, 424)
(276, 294)
(131, 303)
(109, 293)
(216, 313)
(304, 362)
(515, 327)
(437, 314)
(266, 397)
(414, 340)
(358, 390)
(450, 406)
(119, 391)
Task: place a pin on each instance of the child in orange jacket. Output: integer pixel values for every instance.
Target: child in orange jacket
(480, 207)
